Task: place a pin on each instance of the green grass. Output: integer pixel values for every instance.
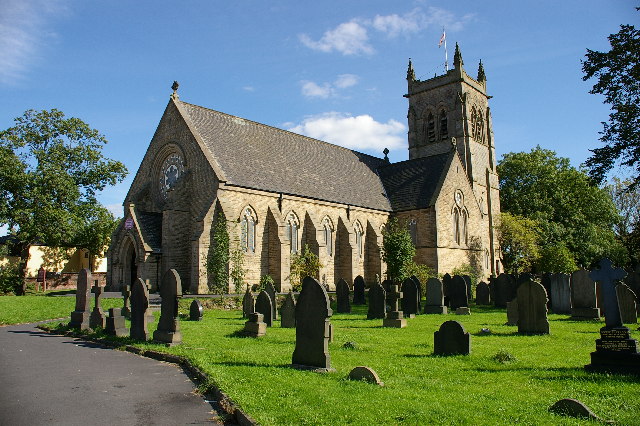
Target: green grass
(23, 309)
(507, 379)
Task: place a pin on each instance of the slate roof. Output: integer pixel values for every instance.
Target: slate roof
(151, 228)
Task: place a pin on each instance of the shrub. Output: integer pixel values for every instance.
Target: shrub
(10, 280)
(306, 264)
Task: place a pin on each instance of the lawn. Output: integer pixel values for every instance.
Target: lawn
(420, 388)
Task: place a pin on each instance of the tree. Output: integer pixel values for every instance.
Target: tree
(566, 205)
(218, 256)
(519, 240)
(627, 201)
(51, 169)
(618, 78)
(397, 251)
(305, 264)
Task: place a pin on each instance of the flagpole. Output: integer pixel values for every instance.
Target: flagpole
(446, 56)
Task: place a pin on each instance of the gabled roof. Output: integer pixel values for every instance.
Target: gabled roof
(151, 228)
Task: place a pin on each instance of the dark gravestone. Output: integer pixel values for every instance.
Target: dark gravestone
(271, 290)
(195, 311)
(312, 328)
(583, 296)
(451, 339)
(512, 312)
(168, 330)
(633, 280)
(458, 293)
(358, 291)
(532, 308)
(419, 285)
(467, 280)
(387, 284)
(255, 326)
(377, 302)
(264, 305)
(139, 308)
(615, 350)
(446, 288)
(126, 298)
(483, 295)
(503, 290)
(343, 305)
(80, 317)
(248, 304)
(435, 297)
(627, 301)
(545, 280)
(97, 318)
(288, 312)
(560, 293)
(410, 293)
(115, 324)
(395, 317)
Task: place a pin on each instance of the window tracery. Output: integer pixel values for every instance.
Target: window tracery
(248, 231)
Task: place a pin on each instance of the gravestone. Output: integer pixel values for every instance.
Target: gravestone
(628, 302)
(435, 297)
(264, 305)
(358, 291)
(139, 311)
(545, 280)
(195, 310)
(446, 288)
(467, 280)
(512, 312)
(560, 293)
(633, 280)
(483, 295)
(80, 317)
(410, 293)
(126, 298)
(271, 290)
(248, 303)
(395, 317)
(377, 302)
(419, 285)
(583, 296)
(115, 323)
(387, 284)
(255, 326)
(312, 328)
(451, 339)
(615, 351)
(503, 290)
(168, 330)
(532, 308)
(343, 306)
(97, 318)
(288, 311)
(458, 293)
(365, 374)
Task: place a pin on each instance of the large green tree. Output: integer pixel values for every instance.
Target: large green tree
(570, 211)
(617, 74)
(397, 250)
(519, 241)
(51, 169)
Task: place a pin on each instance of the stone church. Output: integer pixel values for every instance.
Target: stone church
(279, 191)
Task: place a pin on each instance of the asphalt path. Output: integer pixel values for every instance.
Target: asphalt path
(47, 379)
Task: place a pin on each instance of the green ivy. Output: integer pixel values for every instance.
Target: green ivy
(218, 258)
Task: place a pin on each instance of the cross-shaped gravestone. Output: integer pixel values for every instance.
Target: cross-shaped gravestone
(608, 276)
(126, 296)
(395, 317)
(97, 318)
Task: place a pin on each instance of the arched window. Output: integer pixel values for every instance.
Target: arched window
(486, 259)
(292, 232)
(413, 231)
(456, 225)
(444, 127)
(248, 231)
(479, 136)
(359, 240)
(431, 128)
(328, 236)
(463, 227)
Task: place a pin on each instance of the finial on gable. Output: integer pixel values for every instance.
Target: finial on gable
(174, 87)
(411, 75)
(457, 58)
(482, 77)
(386, 155)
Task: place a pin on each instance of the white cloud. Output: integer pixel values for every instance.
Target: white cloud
(116, 209)
(361, 132)
(23, 34)
(249, 89)
(394, 25)
(348, 38)
(311, 89)
(346, 80)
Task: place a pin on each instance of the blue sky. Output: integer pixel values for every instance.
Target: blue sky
(334, 70)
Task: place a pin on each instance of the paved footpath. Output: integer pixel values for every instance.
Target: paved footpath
(57, 380)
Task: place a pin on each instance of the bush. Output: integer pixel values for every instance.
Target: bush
(10, 280)
(264, 281)
(306, 264)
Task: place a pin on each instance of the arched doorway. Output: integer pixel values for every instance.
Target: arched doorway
(130, 264)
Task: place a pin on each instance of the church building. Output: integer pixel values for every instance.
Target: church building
(278, 191)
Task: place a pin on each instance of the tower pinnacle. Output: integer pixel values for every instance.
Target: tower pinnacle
(457, 58)
(411, 75)
(482, 77)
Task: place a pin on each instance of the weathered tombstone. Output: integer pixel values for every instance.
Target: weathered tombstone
(483, 295)
(80, 317)
(255, 326)
(97, 315)
(248, 303)
(435, 297)
(264, 305)
(458, 293)
(377, 302)
(126, 298)
(395, 317)
(168, 330)
(358, 291)
(451, 339)
(343, 305)
(627, 301)
(633, 280)
(419, 286)
(512, 312)
(195, 310)
(467, 280)
(545, 280)
(387, 284)
(583, 296)
(271, 290)
(365, 374)
(288, 312)
(446, 288)
(532, 308)
(615, 350)
(502, 288)
(560, 293)
(115, 324)
(312, 328)
(139, 308)
(410, 293)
